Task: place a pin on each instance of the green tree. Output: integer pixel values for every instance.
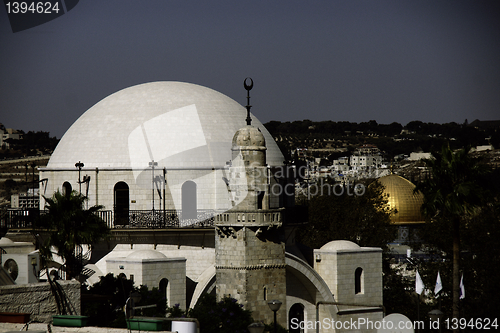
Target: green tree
(360, 216)
(452, 195)
(67, 225)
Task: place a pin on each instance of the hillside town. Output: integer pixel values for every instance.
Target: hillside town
(318, 149)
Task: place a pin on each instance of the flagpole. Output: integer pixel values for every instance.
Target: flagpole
(419, 288)
(418, 311)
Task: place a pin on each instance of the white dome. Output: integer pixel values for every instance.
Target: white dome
(146, 254)
(179, 125)
(340, 245)
(6, 241)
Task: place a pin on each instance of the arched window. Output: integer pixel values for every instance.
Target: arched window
(358, 281)
(297, 314)
(121, 203)
(66, 189)
(189, 204)
(164, 288)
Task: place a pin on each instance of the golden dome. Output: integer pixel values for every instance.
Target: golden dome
(400, 196)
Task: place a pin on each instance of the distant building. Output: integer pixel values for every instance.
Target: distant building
(483, 148)
(9, 133)
(418, 156)
(368, 149)
(365, 161)
(25, 200)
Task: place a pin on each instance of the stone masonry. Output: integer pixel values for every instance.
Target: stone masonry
(37, 299)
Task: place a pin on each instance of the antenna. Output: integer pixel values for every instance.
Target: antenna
(248, 87)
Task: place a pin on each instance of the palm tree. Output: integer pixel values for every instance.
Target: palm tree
(452, 194)
(66, 226)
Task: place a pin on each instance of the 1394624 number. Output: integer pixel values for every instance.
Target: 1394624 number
(473, 323)
(41, 7)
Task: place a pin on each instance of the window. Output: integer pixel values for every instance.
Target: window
(189, 204)
(164, 288)
(66, 189)
(358, 281)
(121, 203)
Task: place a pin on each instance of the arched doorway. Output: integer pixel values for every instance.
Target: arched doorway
(121, 203)
(296, 318)
(189, 204)
(66, 189)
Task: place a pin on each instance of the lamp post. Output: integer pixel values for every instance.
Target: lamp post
(79, 165)
(152, 164)
(274, 305)
(256, 327)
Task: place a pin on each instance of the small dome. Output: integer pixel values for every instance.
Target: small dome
(146, 254)
(400, 196)
(249, 137)
(340, 245)
(5, 241)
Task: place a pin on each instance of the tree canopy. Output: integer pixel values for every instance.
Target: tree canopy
(361, 218)
(455, 196)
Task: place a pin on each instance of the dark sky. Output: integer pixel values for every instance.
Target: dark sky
(353, 60)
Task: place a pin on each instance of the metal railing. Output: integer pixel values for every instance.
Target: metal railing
(157, 219)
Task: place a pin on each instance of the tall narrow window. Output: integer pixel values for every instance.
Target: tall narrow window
(358, 281)
(121, 203)
(163, 287)
(260, 199)
(189, 204)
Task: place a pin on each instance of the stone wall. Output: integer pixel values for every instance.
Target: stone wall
(38, 299)
(251, 269)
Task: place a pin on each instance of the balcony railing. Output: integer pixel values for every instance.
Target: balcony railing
(158, 219)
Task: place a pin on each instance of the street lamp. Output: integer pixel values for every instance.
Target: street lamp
(256, 327)
(274, 305)
(152, 164)
(79, 165)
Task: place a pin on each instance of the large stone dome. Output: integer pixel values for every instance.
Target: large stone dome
(178, 125)
(400, 196)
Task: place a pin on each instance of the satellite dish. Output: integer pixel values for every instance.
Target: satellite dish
(12, 268)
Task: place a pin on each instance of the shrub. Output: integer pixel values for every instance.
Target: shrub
(226, 316)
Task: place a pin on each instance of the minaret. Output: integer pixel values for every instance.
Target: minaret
(249, 238)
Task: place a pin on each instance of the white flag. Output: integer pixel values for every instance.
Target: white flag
(438, 286)
(419, 284)
(462, 287)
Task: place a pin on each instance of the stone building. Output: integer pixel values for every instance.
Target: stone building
(200, 203)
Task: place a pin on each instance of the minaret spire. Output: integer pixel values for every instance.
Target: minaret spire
(248, 87)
